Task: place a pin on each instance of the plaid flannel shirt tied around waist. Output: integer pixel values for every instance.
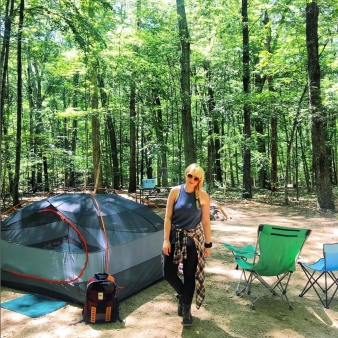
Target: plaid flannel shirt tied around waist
(180, 253)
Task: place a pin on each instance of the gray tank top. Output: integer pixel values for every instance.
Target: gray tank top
(185, 216)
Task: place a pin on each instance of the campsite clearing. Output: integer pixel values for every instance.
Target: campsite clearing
(152, 312)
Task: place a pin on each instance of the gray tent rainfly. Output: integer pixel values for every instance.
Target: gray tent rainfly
(56, 245)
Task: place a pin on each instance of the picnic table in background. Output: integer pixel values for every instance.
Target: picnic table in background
(145, 194)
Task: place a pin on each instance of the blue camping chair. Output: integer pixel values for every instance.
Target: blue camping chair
(325, 268)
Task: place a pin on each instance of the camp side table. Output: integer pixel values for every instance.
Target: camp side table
(146, 193)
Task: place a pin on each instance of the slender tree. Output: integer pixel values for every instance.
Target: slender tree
(162, 176)
(72, 180)
(112, 135)
(4, 57)
(187, 127)
(132, 137)
(273, 117)
(132, 113)
(247, 193)
(19, 106)
(320, 162)
(96, 146)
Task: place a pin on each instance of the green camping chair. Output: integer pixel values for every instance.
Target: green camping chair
(275, 255)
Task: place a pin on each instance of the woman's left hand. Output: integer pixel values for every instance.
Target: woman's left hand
(207, 252)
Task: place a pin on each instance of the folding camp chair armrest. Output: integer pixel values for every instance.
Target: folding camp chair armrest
(242, 263)
(248, 251)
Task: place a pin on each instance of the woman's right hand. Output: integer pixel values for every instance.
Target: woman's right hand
(166, 247)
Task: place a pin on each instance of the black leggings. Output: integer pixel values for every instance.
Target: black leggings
(186, 288)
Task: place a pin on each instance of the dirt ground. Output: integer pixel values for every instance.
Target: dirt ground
(152, 312)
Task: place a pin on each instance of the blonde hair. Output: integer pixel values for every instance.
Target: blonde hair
(197, 171)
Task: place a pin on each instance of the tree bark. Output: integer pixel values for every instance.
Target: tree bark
(112, 135)
(4, 56)
(45, 172)
(187, 127)
(162, 177)
(132, 115)
(273, 152)
(72, 179)
(320, 163)
(35, 99)
(247, 184)
(98, 177)
(215, 165)
(132, 138)
(19, 107)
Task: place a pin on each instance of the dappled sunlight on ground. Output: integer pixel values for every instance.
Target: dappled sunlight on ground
(222, 272)
(152, 313)
(289, 333)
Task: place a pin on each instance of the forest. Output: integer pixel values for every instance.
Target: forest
(105, 93)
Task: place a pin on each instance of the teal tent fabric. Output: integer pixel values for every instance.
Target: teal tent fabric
(54, 246)
(33, 306)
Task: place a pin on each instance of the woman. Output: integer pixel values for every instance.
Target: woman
(187, 239)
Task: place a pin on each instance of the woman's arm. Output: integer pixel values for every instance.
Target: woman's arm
(167, 219)
(205, 202)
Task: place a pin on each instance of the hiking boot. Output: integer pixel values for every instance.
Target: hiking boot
(179, 305)
(187, 317)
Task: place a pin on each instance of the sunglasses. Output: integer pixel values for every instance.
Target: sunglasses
(196, 179)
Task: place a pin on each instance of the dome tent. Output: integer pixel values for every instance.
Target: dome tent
(56, 245)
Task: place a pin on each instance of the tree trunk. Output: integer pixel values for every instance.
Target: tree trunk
(258, 121)
(19, 107)
(98, 179)
(333, 149)
(66, 148)
(215, 130)
(39, 129)
(35, 100)
(45, 172)
(209, 177)
(289, 148)
(209, 110)
(143, 151)
(132, 138)
(187, 127)
(325, 199)
(112, 136)
(31, 115)
(132, 115)
(304, 160)
(272, 184)
(72, 179)
(273, 152)
(3, 75)
(113, 146)
(4, 58)
(247, 193)
(162, 177)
